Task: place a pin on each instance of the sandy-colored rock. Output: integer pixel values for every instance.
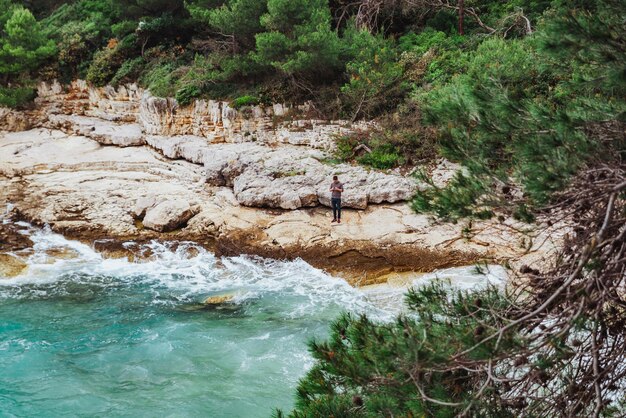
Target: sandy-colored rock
(215, 121)
(88, 191)
(252, 181)
(13, 121)
(218, 300)
(101, 130)
(143, 204)
(11, 266)
(168, 215)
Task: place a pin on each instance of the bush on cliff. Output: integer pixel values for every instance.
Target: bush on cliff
(16, 97)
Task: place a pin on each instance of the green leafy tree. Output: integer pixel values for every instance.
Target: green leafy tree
(299, 39)
(23, 45)
(376, 76)
(237, 20)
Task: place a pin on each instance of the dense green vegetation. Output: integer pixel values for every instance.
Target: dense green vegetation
(368, 369)
(528, 96)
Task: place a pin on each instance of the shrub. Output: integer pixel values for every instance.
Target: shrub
(79, 28)
(299, 40)
(159, 80)
(23, 45)
(376, 77)
(243, 101)
(240, 19)
(123, 28)
(526, 112)
(129, 71)
(382, 158)
(185, 95)
(103, 67)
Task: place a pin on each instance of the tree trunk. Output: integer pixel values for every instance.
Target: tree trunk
(461, 15)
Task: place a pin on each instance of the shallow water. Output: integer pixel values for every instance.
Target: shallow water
(87, 336)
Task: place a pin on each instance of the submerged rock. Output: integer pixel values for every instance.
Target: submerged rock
(218, 300)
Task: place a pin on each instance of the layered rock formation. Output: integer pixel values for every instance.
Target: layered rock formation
(268, 162)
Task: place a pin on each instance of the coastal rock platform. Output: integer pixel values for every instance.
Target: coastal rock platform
(112, 166)
(91, 191)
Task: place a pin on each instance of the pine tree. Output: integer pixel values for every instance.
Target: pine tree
(23, 45)
(369, 369)
(299, 39)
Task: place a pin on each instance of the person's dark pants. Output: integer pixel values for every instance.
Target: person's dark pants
(336, 204)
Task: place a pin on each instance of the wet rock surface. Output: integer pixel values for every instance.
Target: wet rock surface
(11, 239)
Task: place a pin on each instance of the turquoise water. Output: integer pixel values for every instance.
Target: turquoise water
(87, 336)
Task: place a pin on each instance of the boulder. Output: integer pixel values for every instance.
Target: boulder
(143, 204)
(11, 266)
(13, 121)
(168, 215)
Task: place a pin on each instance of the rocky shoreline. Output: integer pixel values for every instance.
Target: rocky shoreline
(110, 166)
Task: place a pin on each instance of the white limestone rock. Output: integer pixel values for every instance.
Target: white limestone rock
(103, 131)
(143, 204)
(168, 215)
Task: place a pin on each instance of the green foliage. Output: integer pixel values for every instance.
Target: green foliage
(243, 101)
(103, 67)
(239, 19)
(368, 368)
(492, 120)
(185, 95)
(382, 158)
(376, 77)
(299, 39)
(159, 80)
(143, 8)
(123, 28)
(16, 96)
(129, 71)
(23, 45)
(396, 140)
(459, 199)
(79, 29)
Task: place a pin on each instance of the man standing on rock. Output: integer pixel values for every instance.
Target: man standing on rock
(336, 187)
